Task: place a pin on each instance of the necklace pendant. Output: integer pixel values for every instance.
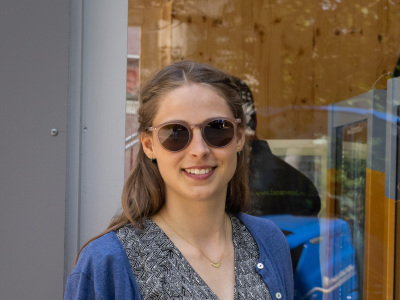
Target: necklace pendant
(216, 265)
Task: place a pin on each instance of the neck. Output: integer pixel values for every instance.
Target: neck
(202, 223)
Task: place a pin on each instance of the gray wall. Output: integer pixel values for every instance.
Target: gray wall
(96, 119)
(63, 66)
(34, 42)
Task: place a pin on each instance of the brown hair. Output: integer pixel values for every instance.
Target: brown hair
(144, 191)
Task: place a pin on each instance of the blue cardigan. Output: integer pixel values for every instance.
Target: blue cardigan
(103, 270)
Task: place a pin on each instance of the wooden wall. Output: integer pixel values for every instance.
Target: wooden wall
(297, 56)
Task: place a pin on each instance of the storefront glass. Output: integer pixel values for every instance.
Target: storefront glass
(299, 59)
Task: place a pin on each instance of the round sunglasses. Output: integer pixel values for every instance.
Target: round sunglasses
(175, 136)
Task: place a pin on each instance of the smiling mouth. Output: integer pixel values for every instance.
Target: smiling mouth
(198, 171)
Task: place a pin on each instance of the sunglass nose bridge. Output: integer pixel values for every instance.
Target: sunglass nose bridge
(193, 126)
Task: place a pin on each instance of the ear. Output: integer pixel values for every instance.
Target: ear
(147, 143)
(241, 138)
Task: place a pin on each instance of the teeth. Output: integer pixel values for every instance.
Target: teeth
(198, 171)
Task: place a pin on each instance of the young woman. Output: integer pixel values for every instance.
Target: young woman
(183, 233)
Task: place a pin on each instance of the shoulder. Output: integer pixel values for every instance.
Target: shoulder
(102, 270)
(106, 248)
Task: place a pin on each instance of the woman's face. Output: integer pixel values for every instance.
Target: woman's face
(199, 172)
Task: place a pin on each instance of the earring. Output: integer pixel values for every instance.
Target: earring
(151, 157)
(238, 150)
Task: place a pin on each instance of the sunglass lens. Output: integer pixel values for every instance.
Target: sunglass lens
(219, 133)
(173, 137)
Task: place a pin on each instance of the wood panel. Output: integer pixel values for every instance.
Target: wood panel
(154, 19)
(296, 56)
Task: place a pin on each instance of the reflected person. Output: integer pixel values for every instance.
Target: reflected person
(276, 187)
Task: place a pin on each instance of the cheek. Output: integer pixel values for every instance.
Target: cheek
(167, 162)
(232, 163)
(167, 170)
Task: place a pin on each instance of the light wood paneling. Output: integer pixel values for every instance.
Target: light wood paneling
(296, 56)
(154, 20)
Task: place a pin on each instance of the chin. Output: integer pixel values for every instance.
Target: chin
(205, 195)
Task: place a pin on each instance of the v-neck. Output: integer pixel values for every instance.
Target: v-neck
(162, 270)
(186, 262)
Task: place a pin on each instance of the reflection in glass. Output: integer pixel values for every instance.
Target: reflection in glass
(350, 184)
(397, 236)
(297, 58)
(398, 156)
(132, 87)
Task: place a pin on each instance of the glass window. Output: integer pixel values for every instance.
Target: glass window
(299, 60)
(351, 161)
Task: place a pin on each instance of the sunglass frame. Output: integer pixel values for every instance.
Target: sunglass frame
(190, 127)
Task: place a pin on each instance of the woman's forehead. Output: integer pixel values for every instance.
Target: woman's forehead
(192, 102)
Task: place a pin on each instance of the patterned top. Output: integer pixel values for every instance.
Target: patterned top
(162, 272)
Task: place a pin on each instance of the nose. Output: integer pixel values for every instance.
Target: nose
(198, 146)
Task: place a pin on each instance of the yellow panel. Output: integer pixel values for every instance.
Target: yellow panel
(379, 239)
(397, 252)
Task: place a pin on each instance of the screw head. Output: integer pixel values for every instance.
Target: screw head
(54, 132)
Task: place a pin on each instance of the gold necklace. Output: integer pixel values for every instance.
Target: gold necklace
(214, 264)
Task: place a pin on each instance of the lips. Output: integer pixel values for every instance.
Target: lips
(199, 173)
